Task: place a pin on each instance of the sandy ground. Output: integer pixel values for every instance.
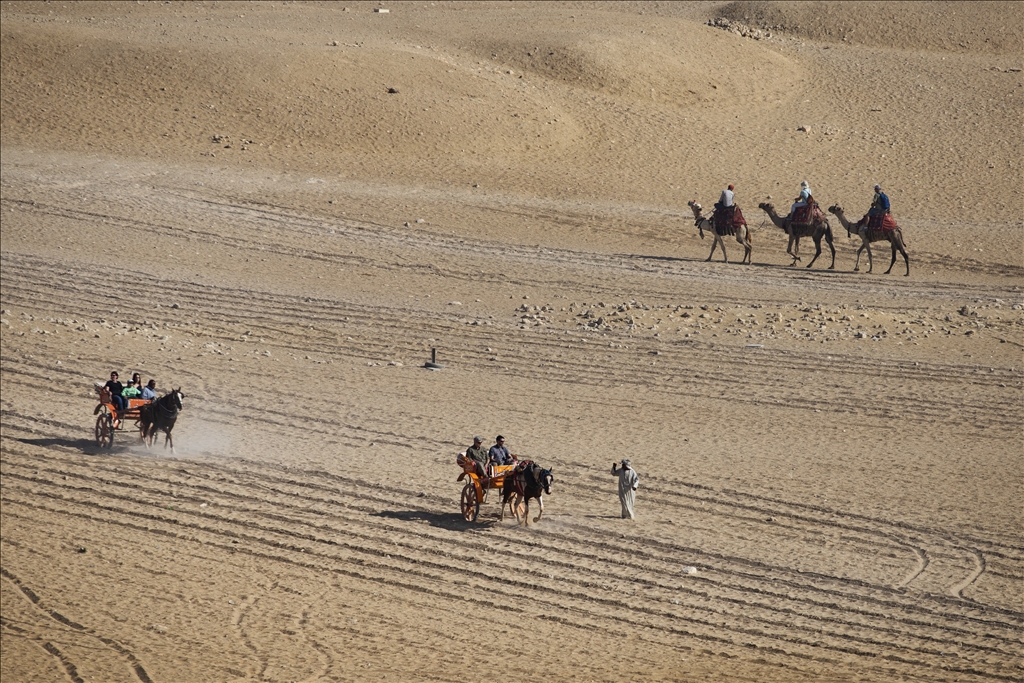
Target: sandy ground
(226, 197)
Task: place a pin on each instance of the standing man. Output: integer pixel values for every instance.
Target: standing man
(478, 455)
(628, 483)
(498, 454)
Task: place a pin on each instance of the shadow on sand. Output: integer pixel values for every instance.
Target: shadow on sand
(452, 521)
(84, 445)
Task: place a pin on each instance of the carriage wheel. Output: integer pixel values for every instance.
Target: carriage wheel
(470, 503)
(104, 430)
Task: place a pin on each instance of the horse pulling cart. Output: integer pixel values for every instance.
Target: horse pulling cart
(110, 420)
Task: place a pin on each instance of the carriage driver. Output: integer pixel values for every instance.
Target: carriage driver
(149, 391)
(499, 454)
(479, 456)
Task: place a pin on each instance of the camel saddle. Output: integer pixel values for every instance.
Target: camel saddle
(807, 215)
(879, 221)
(729, 220)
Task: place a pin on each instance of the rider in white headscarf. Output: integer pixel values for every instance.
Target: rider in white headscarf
(628, 483)
(805, 196)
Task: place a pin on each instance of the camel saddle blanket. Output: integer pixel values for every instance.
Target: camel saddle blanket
(875, 234)
(807, 215)
(729, 220)
(880, 221)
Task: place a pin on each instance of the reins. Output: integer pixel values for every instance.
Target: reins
(169, 411)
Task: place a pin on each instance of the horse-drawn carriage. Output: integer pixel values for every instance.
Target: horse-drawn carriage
(518, 482)
(110, 420)
(148, 416)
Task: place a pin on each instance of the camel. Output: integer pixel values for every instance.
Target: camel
(867, 236)
(795, 232)
(704, 223)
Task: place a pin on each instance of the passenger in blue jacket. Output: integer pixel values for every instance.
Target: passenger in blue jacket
(879, 203)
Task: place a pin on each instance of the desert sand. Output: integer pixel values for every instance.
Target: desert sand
(283, 208)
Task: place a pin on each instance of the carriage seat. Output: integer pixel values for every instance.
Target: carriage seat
(134, 403)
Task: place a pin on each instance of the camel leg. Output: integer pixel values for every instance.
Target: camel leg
(832, 248)
(817, 250)
(793, 249)
(725, 257)
(742, 237)
(906, 259)
(540, 502)
(714, 243)
(856, 264)
(893, 261)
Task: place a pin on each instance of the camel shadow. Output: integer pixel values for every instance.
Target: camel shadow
(452, 521)
(665, 259)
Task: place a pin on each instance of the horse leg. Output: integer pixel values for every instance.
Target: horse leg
(526, 511)
(168, 441)
(540, 502)
(506, 501)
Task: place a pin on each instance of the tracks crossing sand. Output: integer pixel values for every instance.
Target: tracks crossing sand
(237, 205)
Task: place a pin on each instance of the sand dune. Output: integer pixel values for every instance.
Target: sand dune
(227, 198)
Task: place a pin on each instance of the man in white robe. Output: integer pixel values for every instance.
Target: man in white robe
(628, 483)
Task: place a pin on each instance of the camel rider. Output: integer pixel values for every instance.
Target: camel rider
(726, 200)
(804, 199)
(479, 456)
(879, 203)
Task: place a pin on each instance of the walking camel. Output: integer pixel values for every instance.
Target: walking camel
(795, 231)
(869, 235)
(704, 223)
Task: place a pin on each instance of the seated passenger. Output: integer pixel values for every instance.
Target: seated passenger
(727, 198)
(803, 200)
(879, 203)
(130, 391)
(149, 391)
(478, 455)
(115, 388)
(499, 454)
